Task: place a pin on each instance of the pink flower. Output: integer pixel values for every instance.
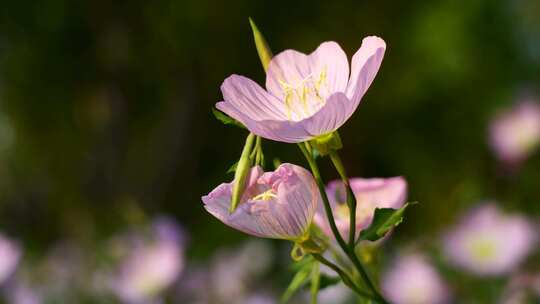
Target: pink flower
(306, 95)
(370, 193)
(151, 265)
(489, 242)
(515, 134)
(413, 280)
(278, 204)
(10, 255)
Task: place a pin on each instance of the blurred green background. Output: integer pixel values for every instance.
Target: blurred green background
(105, 107)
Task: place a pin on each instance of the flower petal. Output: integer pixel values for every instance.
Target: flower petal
(370, 193)
(330, 117)
(278, 130)
(292, 67)
(252, 100)
(289, 67)
(285, 217)
(365, 64)
(330, 58)
(381, 192)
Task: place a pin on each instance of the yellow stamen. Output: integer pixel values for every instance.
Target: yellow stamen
(265, 196)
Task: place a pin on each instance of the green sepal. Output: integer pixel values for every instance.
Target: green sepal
(327, 281)
(327, 142)
(241, 173)
(384, 220)
(265, 54)
(226, 119)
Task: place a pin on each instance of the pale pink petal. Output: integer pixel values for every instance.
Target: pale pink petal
(365, 65)
(249, 98)
(330, 58)
(330, 117)
(382, 192)
(328, 63)
(290, 67)
(370, 193)
(278, 130)
(286, 216)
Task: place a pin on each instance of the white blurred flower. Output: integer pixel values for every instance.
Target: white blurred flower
(488, 242)
(413, 280)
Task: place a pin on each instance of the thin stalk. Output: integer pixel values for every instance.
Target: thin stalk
(351, 202)
(351, 199)
(327, 208)
(343, 275)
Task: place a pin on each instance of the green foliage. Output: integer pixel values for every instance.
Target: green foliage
(225, 119)
(383, 221)
(232, 168)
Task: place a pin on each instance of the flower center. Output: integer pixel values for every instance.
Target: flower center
(305, 98)
(483, 250)
(265, 196)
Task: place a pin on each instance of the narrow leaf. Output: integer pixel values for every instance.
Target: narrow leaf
(232, 168)
(265, 54)
(383, 221)
(225, 119)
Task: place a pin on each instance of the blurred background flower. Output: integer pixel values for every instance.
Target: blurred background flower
(411, 279)
(489, 242)
(149, 263)
(10, 254)
(515, 134)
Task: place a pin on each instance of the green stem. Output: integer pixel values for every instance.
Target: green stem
(358, 265)
(351, 202)
(348, 249)
(320, 183)
(343, 275)
(351, 199)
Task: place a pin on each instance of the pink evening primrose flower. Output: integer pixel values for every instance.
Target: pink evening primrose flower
(370, 193)
(278, 204)
(151, 265)
(488, 242)
(413, 280)
(515, 134)
(306, 95)
(10, 255)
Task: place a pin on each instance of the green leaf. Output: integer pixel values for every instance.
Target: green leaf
(232, 168)
(383, 221)
(301, 277)
(225, 119)
(265, 54)
(315, 282)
